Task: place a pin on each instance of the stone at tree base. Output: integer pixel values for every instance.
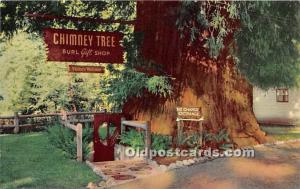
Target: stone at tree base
(91, 185)
(179, 163)
(110, 181)
(163, 168)
(153, 163)
(191, 161)
(201, 159)
(102, 183)
(186, 162)
(172, 166)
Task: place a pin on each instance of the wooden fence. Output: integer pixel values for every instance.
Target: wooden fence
(16, 121)
(72, 120)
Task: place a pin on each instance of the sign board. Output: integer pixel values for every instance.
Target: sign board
(188, 112)
(83, 46)
(86, 69)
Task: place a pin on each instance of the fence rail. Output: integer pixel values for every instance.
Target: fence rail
(15, 121)
(71, 120)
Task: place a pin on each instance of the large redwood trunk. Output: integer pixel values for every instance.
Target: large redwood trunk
(224, 96)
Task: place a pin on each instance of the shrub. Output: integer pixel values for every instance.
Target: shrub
(193, 140)
(64, 139)
(160, 142)
(136, 140)
(218, 140)
(133, 139)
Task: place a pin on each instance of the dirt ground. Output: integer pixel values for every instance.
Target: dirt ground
(274, 167)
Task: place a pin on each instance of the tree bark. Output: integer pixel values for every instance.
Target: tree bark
(224, 96)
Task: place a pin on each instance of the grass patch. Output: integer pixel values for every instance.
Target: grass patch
(30, 161)
(282, 133)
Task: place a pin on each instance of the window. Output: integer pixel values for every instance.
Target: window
(282, 95)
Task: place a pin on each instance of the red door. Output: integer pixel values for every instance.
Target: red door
(107, 127)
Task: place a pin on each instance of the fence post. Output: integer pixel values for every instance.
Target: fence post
(201, 132)
(16, 123)
(179, 132)
(79, 141)
(148, 139)
(122, 125)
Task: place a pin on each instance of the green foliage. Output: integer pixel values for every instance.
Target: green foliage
(282, 132)
(266, 36)
(193, 140)
(160, 142)
(30, 92)
(87, 133)
(13, 16)
(222, 135)
(220, 139)
(29, 84)
(13, 19)
(267, 43)
(118, 86)
(127, 83)
(159, 85)
(29, 161)
(64, 139)
(78, 94)
(205, 24)
(133, 139)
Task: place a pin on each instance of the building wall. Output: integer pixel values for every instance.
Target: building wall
(268, 110)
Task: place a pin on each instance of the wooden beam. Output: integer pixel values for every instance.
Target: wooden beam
(23, 125)
(81, 120)
(7, 126)
(137, 124)
(7, 117)
(39, 115)
(69, 125)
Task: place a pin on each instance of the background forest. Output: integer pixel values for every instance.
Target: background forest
(30, 85)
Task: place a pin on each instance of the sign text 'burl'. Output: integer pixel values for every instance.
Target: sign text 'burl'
(83, 46)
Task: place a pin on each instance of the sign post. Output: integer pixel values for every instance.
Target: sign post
(188, 114)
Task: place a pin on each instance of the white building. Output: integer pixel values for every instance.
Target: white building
(277, 106)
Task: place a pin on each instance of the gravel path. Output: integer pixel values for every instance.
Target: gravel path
(274, 167)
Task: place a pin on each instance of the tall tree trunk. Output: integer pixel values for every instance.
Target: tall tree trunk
(199, 81)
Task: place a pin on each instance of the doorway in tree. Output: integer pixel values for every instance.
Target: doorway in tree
(107, 128)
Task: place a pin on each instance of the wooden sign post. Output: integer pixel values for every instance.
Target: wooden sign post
(188, 114)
